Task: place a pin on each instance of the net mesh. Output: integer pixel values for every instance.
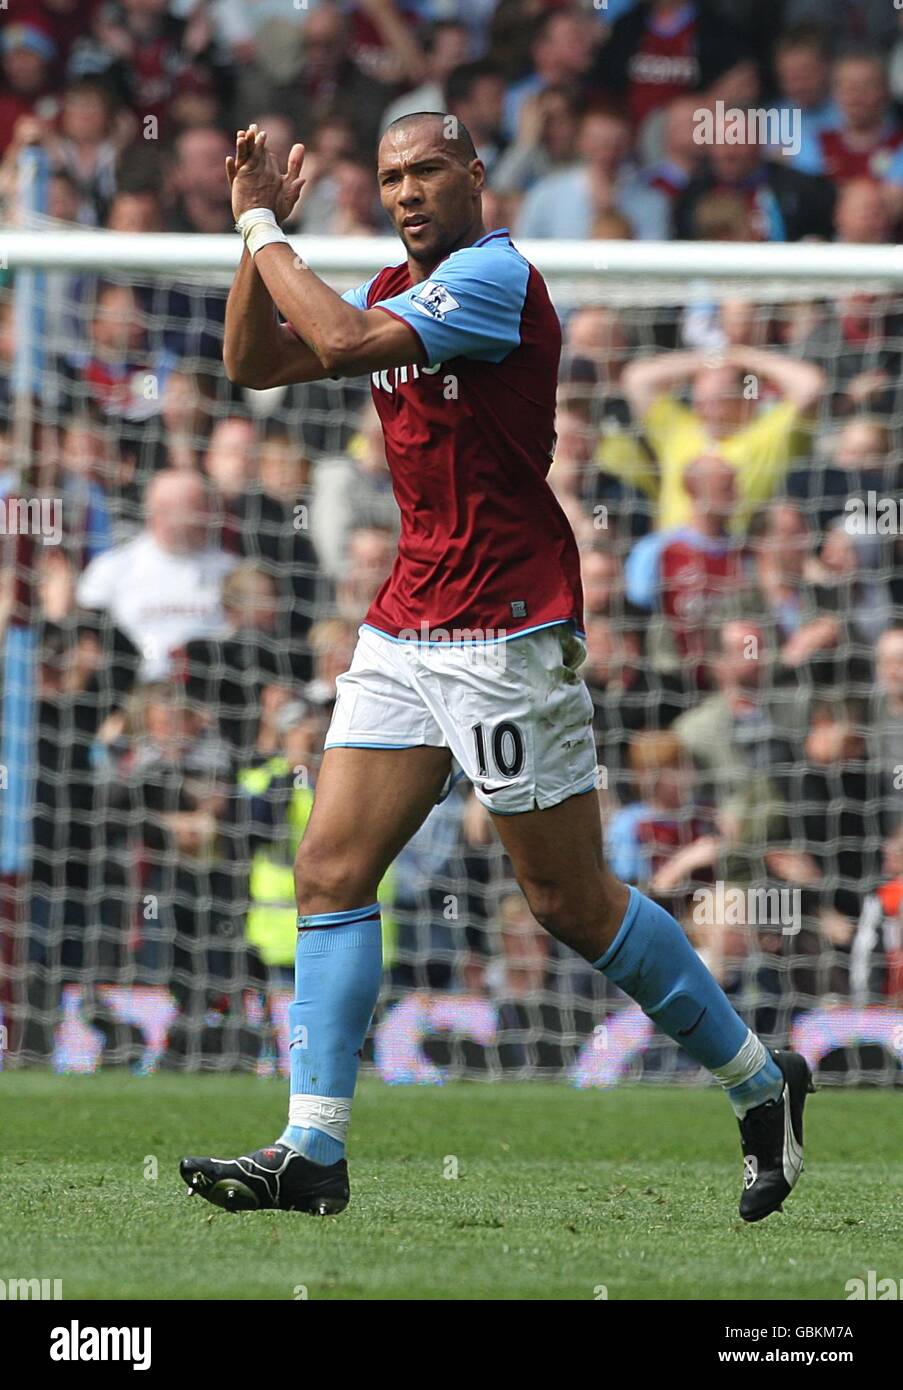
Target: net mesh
(164, 710)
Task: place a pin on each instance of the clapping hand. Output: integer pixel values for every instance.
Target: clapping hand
(256, 179)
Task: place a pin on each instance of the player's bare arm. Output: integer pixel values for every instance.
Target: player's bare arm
(258, 351)
(327, 337)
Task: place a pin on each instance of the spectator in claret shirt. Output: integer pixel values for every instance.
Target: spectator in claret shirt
(663, 49)
(867, 139)
(120, 373)
(143, 50)
(684, 573)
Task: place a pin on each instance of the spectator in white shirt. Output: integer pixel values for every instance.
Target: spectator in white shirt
(163, 587)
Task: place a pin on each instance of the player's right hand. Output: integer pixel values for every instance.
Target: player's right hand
(250, 146)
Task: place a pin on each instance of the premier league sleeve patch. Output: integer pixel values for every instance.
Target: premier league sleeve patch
(434, 300)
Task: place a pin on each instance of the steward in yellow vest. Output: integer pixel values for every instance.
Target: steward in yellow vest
(280, 808)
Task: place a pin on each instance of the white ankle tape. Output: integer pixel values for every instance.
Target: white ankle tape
(750, 1059)
(258, 227)
(330, 1114)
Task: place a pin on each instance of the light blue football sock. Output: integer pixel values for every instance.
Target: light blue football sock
(338, 967)
(652, 960)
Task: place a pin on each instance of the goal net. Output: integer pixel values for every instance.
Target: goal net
(186, 563)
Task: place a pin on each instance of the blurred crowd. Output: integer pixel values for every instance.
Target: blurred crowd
(732, 470)
(588, 116)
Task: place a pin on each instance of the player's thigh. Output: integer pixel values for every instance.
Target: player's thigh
(557, 858)
(516, 716)
(368, 804)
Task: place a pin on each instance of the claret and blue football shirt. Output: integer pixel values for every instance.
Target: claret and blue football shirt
(469, 437)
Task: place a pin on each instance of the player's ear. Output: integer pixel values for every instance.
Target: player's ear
(478, 175)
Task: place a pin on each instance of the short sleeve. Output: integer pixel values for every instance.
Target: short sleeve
(470, 307)
(643, 568)
(357, 297)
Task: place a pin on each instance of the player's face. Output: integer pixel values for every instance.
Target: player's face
(431, 197)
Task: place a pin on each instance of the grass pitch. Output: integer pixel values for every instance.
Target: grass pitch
(558, 1193)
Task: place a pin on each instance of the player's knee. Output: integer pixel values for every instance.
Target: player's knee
(327, 880)
(552, 905)
(582, 914)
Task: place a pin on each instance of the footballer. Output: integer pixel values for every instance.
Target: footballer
(487, 566)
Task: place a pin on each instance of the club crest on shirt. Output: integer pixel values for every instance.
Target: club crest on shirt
(435, 301)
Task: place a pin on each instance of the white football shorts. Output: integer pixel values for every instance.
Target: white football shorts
(515, 714)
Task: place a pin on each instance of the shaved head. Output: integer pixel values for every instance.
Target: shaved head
(453, 132)
(431, 185)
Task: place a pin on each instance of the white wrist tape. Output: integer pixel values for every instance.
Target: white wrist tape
(258, 227)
